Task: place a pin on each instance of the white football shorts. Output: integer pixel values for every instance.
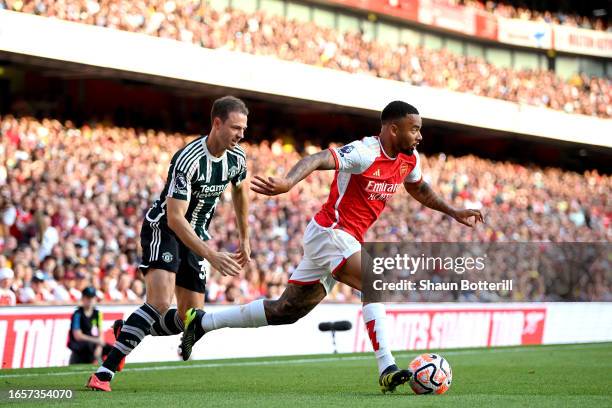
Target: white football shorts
(325, 251)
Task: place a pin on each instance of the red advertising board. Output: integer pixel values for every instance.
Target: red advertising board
(479, 23)
(486, 25)
(40, 340)
(405, 9)
(425, 329)
(439, 13)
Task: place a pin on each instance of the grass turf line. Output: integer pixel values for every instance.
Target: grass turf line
(539, 376)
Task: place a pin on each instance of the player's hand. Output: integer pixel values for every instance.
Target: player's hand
(468, 217)
(244, 253)
(271, 186)
(226, 263)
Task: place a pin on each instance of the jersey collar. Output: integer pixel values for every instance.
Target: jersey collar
(208, 154)
(382, 149)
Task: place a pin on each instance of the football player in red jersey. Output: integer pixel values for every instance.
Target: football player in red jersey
(368, 173)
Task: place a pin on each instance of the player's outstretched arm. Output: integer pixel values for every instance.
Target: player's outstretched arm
(240, 199)
(423, 193)
(225, 263)
(279, 185)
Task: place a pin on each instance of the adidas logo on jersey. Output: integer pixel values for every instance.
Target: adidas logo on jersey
(376, 173)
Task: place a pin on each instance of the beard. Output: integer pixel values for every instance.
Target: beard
(409, 151)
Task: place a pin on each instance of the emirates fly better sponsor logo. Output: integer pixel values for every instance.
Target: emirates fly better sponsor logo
(380, 190)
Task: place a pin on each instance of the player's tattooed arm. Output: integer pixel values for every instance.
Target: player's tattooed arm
(318, 161)
(424, 194)
(278, 185)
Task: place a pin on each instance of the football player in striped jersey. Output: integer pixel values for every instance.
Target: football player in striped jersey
(176, 257)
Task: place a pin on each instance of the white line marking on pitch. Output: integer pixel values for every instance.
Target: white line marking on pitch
(304, 360)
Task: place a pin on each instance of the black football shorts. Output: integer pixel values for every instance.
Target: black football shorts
(161, 249)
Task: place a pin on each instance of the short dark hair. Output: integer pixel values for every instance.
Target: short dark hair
(222, 107)
(397, 110)
(89, 292)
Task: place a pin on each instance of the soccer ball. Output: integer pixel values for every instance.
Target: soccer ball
(431, 374)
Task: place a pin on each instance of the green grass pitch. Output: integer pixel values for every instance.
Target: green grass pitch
(538, 376)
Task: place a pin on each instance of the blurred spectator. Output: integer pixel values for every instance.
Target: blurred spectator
(85, 338)
(95, 182)
(37, 292)
(7, 296)
(262, 34)
(507, 10)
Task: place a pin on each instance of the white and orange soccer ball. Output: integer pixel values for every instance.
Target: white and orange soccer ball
(431, 374)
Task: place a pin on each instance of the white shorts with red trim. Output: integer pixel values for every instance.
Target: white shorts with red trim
(325, 251)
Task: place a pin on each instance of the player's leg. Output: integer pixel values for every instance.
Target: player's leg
(171, 322)
(190, 286)
(374, 317)
(160, 285)
(189, 291)
(160, 263)
(309, 284)
(295, 302)
(187, 299)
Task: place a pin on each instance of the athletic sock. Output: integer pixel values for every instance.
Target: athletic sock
(249, 315)
(104, 374)
(136, 327)
(374, 316)
(169, 324)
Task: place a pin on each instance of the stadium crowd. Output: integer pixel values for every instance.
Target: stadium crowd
(263, 34)
(72, 199)
(503, 9)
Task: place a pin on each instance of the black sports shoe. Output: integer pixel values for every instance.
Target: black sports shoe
(193, 331)
(392, 377)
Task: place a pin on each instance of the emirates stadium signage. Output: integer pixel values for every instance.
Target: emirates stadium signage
(581, 41)
(455, 328)
(525, 33)
(465, 20)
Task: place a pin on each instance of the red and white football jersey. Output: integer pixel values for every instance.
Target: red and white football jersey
(366, 178)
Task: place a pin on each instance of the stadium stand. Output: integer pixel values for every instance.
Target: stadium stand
(265, 34)
(509, 10)
(71, 200)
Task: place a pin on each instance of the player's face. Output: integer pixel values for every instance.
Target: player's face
(407, 133)
(232, 130)
(88, 302)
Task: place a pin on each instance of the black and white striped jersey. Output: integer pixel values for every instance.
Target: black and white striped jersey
(200, 178)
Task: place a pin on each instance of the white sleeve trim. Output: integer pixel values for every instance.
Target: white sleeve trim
(415, 175)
